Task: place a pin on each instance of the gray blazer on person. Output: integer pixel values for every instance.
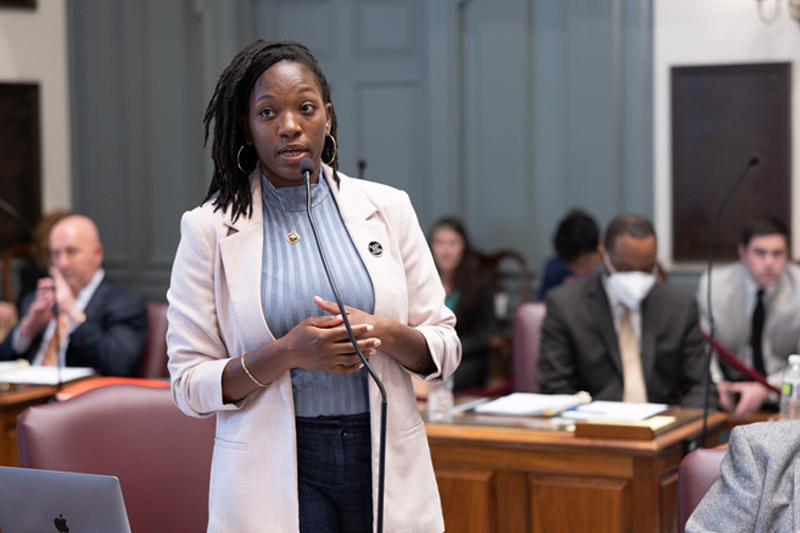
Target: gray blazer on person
(756, 492)
(733, 319)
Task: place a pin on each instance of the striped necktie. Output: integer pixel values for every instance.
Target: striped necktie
(56, 340)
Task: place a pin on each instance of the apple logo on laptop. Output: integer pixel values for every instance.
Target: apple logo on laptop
(61, 524)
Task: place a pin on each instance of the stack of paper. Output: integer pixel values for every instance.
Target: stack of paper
(618, 411)
(529, 404)
(44, 375)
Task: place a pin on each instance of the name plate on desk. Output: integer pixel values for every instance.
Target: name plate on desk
(611, 429)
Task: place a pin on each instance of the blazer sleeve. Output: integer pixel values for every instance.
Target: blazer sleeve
(732, 503)
(197, 353)
(426, 309)
(557, 372)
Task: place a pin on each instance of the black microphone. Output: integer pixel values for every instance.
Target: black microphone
(362, 165)
(754, 160)
(307, 169)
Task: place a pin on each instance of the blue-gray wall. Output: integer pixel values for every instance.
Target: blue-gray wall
(505, 112)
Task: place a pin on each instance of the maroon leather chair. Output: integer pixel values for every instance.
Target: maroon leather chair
(153, 362)
(527, 337)
(698, 471)
(161, 456)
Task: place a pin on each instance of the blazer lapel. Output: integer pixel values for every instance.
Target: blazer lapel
(241, 253)
(359, 216)
(600, 309)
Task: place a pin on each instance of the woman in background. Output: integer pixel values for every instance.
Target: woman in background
(469, 296)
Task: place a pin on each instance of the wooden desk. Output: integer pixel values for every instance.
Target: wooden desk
(13, 400)
(516, 475)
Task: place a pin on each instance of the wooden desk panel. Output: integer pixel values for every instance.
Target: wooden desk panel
(13, 401)
(520, 480)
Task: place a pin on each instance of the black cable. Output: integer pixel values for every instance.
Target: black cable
(343, 312)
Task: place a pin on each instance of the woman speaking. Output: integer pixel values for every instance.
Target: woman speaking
(255, 339)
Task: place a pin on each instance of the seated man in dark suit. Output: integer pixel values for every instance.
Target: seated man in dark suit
(98, 325)
(618, 334)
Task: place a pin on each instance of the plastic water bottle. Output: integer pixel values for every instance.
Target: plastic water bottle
(790, 390)
(440, 400)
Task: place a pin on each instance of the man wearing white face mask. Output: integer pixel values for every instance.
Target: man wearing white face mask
(618, 334)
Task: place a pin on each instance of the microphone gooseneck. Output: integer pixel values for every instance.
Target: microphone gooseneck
(754, 160)
(307, 169)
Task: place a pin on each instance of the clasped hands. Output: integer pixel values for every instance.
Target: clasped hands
(321, 343)
(48, 291)
(751, 396)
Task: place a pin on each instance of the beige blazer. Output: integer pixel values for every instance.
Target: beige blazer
(215, 313)
(733, 319)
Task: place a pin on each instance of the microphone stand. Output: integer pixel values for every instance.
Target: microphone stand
(753, 161)
(8, 208)
(343, 312)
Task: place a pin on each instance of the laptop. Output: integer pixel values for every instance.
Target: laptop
(60, 502)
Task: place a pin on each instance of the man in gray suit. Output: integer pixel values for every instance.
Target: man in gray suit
(757, 489)
(618, 334)
(756, 303)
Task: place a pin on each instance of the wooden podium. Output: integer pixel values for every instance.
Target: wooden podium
(520, 474)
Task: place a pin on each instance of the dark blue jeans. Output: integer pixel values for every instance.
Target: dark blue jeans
(334, 458)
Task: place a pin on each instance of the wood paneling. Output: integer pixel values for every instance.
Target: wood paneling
(20, 150)
(669, 501)
(466, 500)
(561, 503)
(721, 116)
(539, 460)
(530, 480)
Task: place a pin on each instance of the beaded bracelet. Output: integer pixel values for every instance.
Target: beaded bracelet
(251, 376)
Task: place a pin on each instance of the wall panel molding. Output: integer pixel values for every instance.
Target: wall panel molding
(511, 112)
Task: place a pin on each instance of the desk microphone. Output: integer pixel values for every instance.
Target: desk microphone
(754, 160)
(307, 169)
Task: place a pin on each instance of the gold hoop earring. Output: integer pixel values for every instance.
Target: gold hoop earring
(239, 164)
(333, 157)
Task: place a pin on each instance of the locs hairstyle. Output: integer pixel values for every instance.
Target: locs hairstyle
(230, 101)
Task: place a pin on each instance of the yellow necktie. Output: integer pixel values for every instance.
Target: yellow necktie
(633, 379)
(56, 340)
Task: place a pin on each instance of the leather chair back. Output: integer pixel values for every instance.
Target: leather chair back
(153, 361)
(161, 456)
(527, 337)
(698, 471)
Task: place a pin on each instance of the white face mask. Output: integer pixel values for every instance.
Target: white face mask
(630, 288)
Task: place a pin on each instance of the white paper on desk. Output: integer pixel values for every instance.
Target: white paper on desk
(530, 404)
(6, 366)
(626, 412)
(45, 375)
